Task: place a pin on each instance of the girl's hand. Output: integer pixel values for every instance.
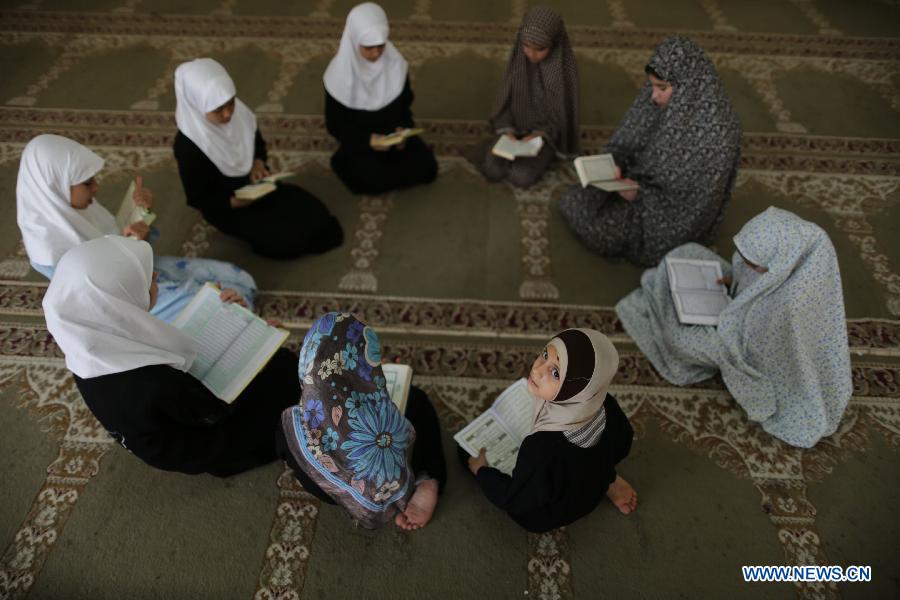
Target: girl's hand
(258, 171)
(401, 145)
(377, 136)
(476, 462)
(530, 137)
(726, 281)
(231, 296)
(137, 230)
(511, 136)
(142, 196)
(274, 323)
(628, 195)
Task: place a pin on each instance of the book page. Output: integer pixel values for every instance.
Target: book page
(397, 381)
(695, 275)
(212, 328)
(600, 167)
(515, 408)
(697, 295)
(254, 191)
(702, 304)
(276, 177)
(615, 185)
(488, 431)
(246, 356)
(510, 149)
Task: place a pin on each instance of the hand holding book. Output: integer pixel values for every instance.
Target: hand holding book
(601, 172)
(258, 171)
(134, 216)
(397, 138)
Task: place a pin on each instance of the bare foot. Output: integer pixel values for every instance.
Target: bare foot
(421, 506)
(622, 495)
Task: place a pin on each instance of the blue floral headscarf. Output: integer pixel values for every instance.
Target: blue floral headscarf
(346, 434)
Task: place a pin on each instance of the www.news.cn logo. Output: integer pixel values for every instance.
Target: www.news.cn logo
(806, 573)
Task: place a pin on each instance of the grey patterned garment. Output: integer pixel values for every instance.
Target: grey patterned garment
(542, 96)
(685, 156)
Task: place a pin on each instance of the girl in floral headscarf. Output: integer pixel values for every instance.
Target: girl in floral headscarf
(539, 97)
(680, 141)
(348, 443)
(567, 464)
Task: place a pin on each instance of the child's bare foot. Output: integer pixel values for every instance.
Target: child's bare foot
(622, 495)
(421, 506)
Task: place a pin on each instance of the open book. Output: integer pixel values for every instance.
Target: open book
(232, 343)
(399, 378)
(511, 149)
(129, 212)
(266, 185)
(392, 139)
(698, 296)
(501, 428)
(599, 171)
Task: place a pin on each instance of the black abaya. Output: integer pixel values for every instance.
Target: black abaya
(169, 420)
(286, 223)
(368, 171)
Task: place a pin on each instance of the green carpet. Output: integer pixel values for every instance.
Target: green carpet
(465, 279)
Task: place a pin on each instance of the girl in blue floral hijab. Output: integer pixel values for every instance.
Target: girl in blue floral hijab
(348, 443)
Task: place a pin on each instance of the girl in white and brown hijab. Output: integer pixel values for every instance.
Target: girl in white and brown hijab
(568, 463)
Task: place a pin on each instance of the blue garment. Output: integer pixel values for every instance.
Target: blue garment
(181, 278)
(45, 270)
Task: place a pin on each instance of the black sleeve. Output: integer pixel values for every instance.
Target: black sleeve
(405, 100)
(204, 185)
(527, 489)
(342, 124)
(259, 148)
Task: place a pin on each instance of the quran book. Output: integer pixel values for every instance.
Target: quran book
(232, 343)
(398, 379)
(599, 171)
(697, 295)
(398, 137)
(501, 428)
(512, 149)
(266, 185)
(129, 212)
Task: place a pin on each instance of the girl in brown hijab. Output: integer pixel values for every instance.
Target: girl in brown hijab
(567, 464)
(539, 97)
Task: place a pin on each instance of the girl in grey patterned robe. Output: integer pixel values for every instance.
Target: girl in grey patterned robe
(680, 141)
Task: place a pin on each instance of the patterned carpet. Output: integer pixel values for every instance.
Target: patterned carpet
(465, 279)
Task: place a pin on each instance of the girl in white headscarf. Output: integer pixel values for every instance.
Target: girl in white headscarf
(131, 368)
(219, 149)
(55, 209)
(781, 344)
(368, 95)
(567, 464)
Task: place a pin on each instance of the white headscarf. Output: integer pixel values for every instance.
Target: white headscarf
(201, 86)
(588, 361)
(352, 80)
(96, 309)
(50, 225)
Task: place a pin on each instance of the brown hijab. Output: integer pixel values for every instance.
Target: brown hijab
(588, 361)
(542, 96)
